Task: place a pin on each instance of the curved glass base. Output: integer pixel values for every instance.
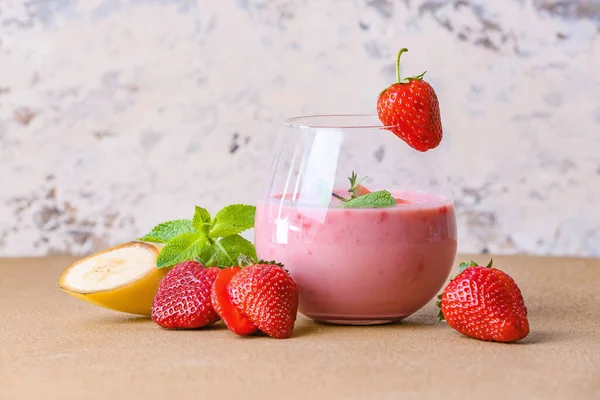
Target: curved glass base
(362, 321)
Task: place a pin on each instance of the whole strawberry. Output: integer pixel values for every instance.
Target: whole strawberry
(259, 296)
(410, 107)
(183, 297)
(485, 303)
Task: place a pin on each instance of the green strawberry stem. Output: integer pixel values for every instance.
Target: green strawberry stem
(354, 183)
(337, 196)
(398, 63)
(410, 78)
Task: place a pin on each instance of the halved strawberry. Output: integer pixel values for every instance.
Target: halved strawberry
(233, 318)
(268, 296)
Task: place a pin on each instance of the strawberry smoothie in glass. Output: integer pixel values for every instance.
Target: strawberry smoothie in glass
(362, 251)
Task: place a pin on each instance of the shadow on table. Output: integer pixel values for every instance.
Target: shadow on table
(539, 337)
(303, 328)
(426, 322)
(419, 323)
(306, 327)
(108, 320)
(119, 319)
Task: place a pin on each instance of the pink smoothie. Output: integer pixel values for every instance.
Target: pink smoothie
(361, 265)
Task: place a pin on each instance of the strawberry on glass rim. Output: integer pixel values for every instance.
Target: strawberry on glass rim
(411, 108)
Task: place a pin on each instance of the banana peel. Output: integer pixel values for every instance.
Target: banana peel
(122, 278)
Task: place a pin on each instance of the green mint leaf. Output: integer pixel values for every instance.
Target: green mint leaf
(166, 231)
(208, 256)
(232, 220)
(201, 220)
(379, 199)
(184, 247)
(228, 250)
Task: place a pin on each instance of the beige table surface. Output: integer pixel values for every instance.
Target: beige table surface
(53, 346)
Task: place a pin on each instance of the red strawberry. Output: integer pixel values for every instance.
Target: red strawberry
(411, 107)
(485, 303)
(268, 296)
(262, 294)
(235, 321)
(183, 297)
(361, 190)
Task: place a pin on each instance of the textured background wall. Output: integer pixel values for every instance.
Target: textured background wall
(115, 115)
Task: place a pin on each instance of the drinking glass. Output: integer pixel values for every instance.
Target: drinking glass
(356, 265)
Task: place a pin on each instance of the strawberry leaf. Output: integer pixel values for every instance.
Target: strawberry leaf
(490, 263)
(464, 265)
(271, 262)
(439, 304)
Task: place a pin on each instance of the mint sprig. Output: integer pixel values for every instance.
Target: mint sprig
(213, 241)
(166, 231)
(227, 251)
(181, 248)
(232, 220)
(201, 220)
(379, 199)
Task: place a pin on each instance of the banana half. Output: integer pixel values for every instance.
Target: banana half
(122, 278)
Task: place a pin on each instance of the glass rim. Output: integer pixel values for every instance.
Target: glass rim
(293, 122)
